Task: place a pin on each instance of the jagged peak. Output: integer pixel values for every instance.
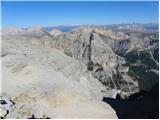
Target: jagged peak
(101, 30)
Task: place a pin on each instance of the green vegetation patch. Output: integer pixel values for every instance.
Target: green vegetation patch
(140, 64)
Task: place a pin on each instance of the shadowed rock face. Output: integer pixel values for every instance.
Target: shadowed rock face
(121, 46)
(144, 104)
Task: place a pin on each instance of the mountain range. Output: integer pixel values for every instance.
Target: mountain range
(71, 71)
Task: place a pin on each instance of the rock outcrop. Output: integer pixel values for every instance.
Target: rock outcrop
(66, 75)
(45, 82)
(55, 32)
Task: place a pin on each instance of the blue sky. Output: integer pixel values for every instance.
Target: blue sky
(27, 14)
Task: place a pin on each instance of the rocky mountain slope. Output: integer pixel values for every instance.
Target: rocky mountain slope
(47, 83)
(66, 74)
(107, 54)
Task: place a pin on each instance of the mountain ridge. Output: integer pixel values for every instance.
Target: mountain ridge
(84, 65)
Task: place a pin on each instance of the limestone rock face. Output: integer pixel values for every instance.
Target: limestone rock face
(44, 82)
(98, 49)
(66, 75)
(106, 54)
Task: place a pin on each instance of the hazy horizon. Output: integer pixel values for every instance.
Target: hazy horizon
(69, 25)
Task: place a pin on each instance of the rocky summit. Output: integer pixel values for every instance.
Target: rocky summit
(55, 74)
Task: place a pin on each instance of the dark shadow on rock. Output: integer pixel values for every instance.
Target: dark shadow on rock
(33, 117)
(142, 105)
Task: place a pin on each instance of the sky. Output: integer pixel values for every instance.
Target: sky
(51, 13)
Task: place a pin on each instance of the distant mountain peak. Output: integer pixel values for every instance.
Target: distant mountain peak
(55, 32)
